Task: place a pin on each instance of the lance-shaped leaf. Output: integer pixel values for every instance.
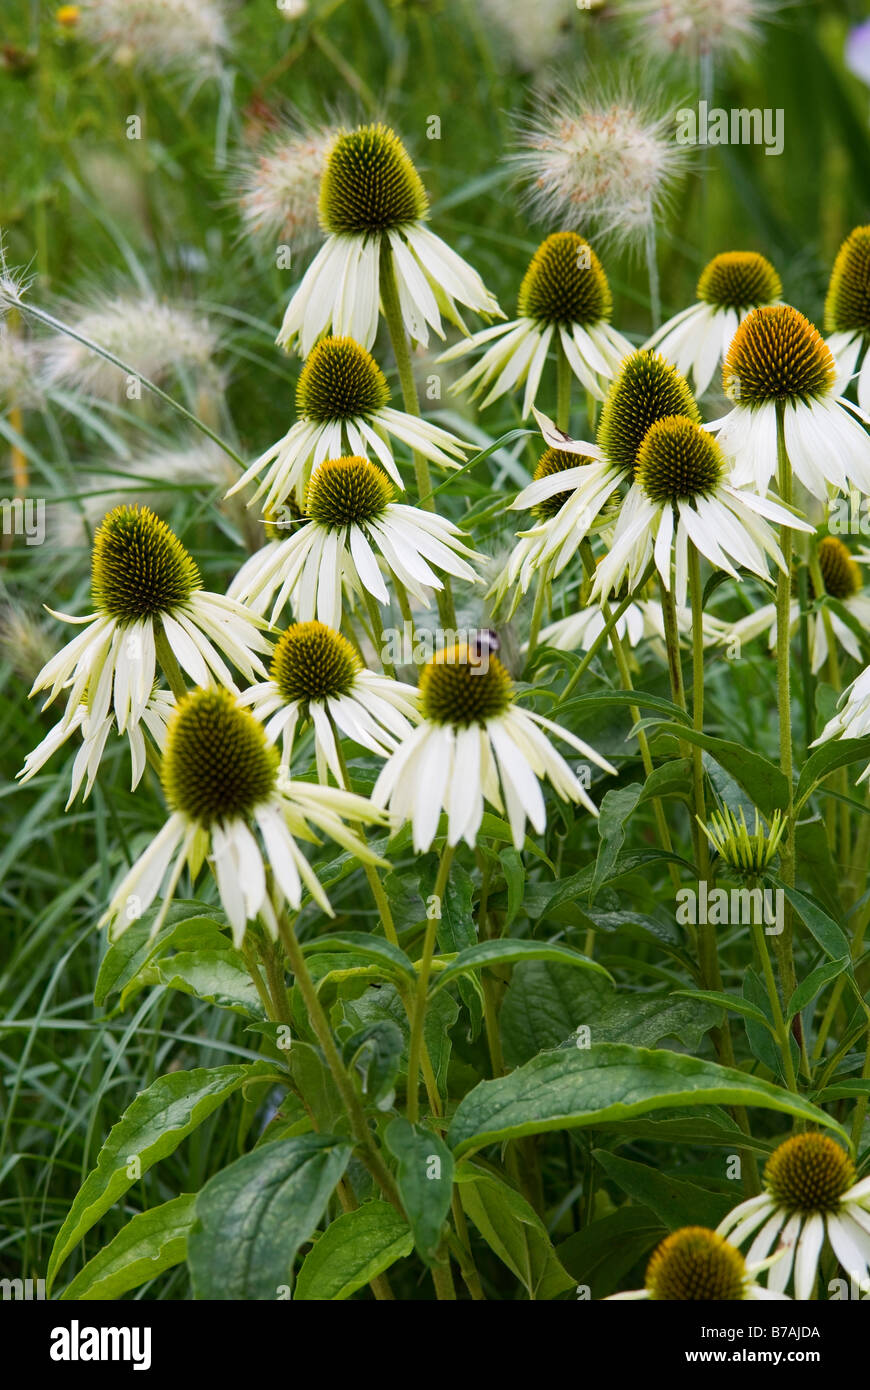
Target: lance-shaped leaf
(355, 1249)
(507, 951)
(425, 1179)
(611, 1081)
(153, 1241)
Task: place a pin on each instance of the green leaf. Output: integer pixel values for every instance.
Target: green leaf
(153, 1241)
(151, 1127)
(840, 752)
(728, 1001)
(375, 1053)
(425, 1179)
(815, 981)
(601, 1255)
(509, 950)
(761, 779)
(825, 930)
(191, 924)
(371, 947)
(515, 880)
(578, 885)
(385, 1003)
(675, 1202)
(616, 807)
(355, 1249)
(513, 1230)
(627, 699)
(572, 1087)
(252, 1217)
(220, 977)
(546, 1003)
(456, 928)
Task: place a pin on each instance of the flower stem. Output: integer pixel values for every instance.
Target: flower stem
(404, 365)
(415, 1046)
(782, 1034)
(340, 1075)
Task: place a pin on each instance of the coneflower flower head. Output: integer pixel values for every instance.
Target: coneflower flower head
(847, 304)
(553, 461)
(564, 298)
(369, 183)
(840, 571)
(342, 399)
(347, 491)
(698, 1265)
(608, 159)
(160, 35)
(678, 459)
(475, 744)
(217, 763)
(777, 355)
(748, 853)
(280, 187)
(778, 365)
(739, 280)
(139, 568)
(311, 662)
(811, 1195)
(372, 203)
(730, 286)
(647, 389)
(155, 339)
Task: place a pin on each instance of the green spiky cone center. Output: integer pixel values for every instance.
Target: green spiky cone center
(370, 183)
(217, 764)
(461, 689)
(777, 355)
(809, 1173)
(696, 1265)
(647, 389)
(565, 283)
(340, 380)
(346, 491)
(139, 567)
(554, 461)
(739, 280)
(678, 459)
(847, 305)
(313, 661)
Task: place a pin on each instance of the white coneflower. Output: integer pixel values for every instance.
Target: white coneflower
(852, 718)
(681, 493)
(145, 583)
(641, 621)
(843, 581)
(342, 400)
(698, 339)
(695, 1265)
(696, 28)
(155, 339)
(373, 203)
(475, 745)
(810, 1193)
(779, 362)
(564, 301)
(847, 311)
(182, 36)
(606, 158)
(531, 44)
(352, 517)
(570, 500)
(316, 675)
(95, 734)
(229, 799)
(279, 186)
